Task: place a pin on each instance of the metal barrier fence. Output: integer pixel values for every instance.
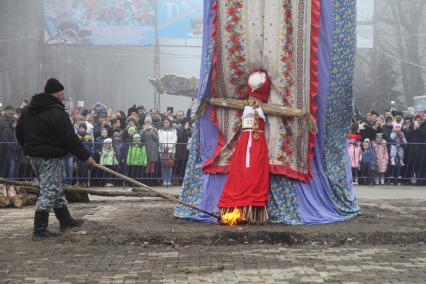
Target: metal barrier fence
(388, 163)
(164, 164)
(155, 164)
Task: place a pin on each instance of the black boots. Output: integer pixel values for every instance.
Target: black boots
(41, 221)
(65, 220)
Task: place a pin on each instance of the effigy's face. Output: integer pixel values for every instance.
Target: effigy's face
(256, 80)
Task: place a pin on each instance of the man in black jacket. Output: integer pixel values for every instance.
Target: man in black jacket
(46, 135)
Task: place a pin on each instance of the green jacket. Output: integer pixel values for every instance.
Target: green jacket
(136, 156)
(108, 157)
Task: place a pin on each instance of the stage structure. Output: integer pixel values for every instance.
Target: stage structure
(308, 50)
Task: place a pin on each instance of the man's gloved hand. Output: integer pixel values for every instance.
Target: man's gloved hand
(90, 161)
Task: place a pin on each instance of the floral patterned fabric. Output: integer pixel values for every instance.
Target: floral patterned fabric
(339, 107)
(246, 37)
(192, 183)
(192, 187)
(283, 204)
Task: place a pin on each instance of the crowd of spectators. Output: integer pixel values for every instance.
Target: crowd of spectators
(154, 147)
(145, 145)
(388, 149)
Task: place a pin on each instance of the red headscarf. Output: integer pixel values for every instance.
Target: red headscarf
(261, 93)
(356, 137)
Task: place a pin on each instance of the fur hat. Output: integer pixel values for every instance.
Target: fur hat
(53, 86)
(108, 140)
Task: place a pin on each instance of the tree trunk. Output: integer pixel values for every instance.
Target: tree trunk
(4, 200)
(34, 188)
(401, 52)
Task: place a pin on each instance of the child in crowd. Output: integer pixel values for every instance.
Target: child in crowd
(380, 146)
(100, 140)
(136, 157)
(83, 171)
(128, 134)
(355, 155)
(121, 150)
(418, 120)
(82, 131)
(368, 163)
(108, 159)
(397, 151)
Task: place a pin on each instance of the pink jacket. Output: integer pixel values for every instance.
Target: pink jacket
(382, 156)
(355, 154)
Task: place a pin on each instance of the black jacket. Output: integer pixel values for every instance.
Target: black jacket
(4, 124)
(44, 130)
(183, 136)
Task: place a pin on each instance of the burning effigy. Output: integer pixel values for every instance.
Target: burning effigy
(274, 107)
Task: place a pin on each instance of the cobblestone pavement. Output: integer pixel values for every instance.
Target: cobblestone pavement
(213, 264)
(137, 241)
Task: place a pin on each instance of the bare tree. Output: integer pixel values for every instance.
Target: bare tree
(399, 24)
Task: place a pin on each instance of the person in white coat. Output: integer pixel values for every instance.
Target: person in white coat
(167, 137)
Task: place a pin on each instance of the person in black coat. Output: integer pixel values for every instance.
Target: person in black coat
(46, 135)
(10, 146)
(5, 121)
(184, 132)
(417, 154)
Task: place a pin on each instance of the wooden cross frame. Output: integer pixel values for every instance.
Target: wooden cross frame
(269, 109)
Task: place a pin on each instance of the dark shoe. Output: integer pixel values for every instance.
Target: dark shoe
(65, 220)
(41, 221)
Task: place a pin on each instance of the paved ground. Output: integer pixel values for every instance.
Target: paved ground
(218, 264)
(129, 240)
(391, 192)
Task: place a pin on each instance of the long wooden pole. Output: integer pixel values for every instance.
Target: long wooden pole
(103, 193)
(162, 194)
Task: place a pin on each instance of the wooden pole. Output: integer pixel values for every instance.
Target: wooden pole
(99, 192)
(162, 194)
(68, 188)
(269, 109)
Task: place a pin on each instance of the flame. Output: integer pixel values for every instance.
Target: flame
(231, 218)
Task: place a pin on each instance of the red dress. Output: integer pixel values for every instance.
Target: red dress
(248, 179)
